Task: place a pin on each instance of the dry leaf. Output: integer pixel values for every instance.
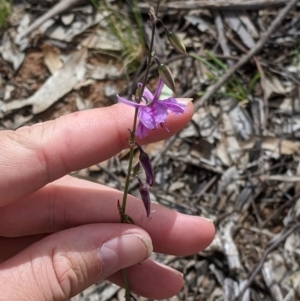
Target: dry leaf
(51, 58)
(272, 86)
(275, 145)
(56, 86)
(10, 52)
(235, 24)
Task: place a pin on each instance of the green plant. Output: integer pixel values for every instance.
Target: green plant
(296, 55)
(234, 87)
(5, 10)
(129, 33)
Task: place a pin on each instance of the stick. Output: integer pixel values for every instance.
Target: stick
(220, 5)
(264, 257)
(265, 36)
(57, 9)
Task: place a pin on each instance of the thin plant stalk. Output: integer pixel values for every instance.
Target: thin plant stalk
(132, 133)
(131, 146)
(126, 285)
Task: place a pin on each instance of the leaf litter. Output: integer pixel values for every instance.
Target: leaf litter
(237, 162)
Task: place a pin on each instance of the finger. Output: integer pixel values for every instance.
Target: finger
(71, 202)
(33, 156)
(143, 278)
(151, 280)
(65, 263)
(10, 246)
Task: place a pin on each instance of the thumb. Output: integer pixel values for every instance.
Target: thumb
(65, 263)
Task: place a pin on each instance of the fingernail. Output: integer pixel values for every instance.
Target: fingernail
(206, 219)
(123, 251)
(184, 101)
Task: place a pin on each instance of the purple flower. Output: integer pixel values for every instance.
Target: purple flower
(152, 111)
(145, 196)
(146, 163)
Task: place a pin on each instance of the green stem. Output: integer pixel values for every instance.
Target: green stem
(126, 284)
(131, 146)
(132, 133)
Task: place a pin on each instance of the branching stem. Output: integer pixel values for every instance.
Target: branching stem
(132, 133)
(132, 144)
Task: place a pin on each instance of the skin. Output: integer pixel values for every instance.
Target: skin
(53, 226)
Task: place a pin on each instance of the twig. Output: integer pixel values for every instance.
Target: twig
(265, 99)
(221, 4)
(265, 36)
(57, 9)
(264, 257)
(280, 209)
(282, 178)
(262, 80)
(188, 93)
(206, 187)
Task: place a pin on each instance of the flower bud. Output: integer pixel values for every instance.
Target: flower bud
(147, 166)
(145, 196)
(138, 92)
(176, 42)
(166, 75)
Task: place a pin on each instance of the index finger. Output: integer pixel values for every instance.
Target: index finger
(33, 156)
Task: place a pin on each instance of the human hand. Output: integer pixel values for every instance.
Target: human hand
(59, 234)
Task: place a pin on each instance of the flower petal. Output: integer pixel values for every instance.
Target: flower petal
(128, 102)
(173, 105)
(147, 117)
(159, 112)
(141, 131)
(159, 87)
(145, 197)
(147, 166)
(146, 94)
